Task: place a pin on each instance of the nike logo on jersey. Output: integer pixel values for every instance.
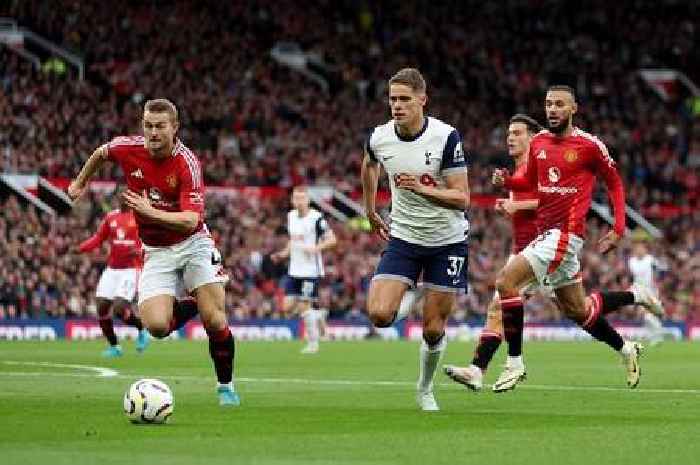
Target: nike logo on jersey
(137, 173)
(542, 155)
(388, 158)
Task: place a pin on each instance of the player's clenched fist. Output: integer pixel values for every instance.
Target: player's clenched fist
(378, 225)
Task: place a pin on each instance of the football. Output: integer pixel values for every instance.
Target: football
(148, 401)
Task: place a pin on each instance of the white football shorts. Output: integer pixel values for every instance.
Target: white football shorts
(181, 268)
(553, 256)
(118, 283)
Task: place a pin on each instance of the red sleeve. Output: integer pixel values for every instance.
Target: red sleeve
(114, 149)
(97, 239)
(605, 166)
(528, 180)
(191, 186)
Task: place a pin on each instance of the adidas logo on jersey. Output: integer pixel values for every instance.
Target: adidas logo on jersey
(137, 173)
(542, 155)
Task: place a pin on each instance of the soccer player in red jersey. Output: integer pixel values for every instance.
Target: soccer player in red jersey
(562, 166)
(166, 193)
(117, 286)
(521, 207)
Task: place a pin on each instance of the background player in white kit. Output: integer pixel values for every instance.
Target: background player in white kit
(309, 236)
(643, 266)
(425, 162)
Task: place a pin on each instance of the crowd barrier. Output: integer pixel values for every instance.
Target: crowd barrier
(282, 330)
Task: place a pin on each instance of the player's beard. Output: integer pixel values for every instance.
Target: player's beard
(560, 128)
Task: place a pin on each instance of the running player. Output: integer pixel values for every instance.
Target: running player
(563, 163)
(521, 207)
(117, 286)
(166, 193)
(425, 162)
(643, 266)
(309, 236)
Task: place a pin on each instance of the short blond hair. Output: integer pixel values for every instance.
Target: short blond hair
(410, 77)
(162, 105)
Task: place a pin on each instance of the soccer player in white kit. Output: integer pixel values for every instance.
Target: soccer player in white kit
(643, 266)
(425, 162)
(309, 236)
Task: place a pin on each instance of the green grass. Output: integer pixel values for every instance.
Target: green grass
(62, 415)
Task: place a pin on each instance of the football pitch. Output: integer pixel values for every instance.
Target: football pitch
(353, 403)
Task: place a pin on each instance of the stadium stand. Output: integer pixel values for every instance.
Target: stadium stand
(256, 122)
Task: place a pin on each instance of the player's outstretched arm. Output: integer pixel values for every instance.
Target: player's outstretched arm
(510, 206)
(95, 240)
(370, 179)
(79, 185)
(605, 166)
(455, 194)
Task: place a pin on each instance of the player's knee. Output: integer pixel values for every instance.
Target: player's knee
(382, 319)
(381, 312)
(505, 287)
(158, 330)
(432, 335)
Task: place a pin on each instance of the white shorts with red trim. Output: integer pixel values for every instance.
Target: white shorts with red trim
(118, 283)
(180, 268)
(553, 256)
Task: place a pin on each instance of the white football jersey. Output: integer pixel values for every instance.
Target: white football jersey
(435, 152)
(642, 270)
(305, 231)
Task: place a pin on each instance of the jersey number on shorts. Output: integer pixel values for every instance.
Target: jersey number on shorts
(456, 264)
(307, 288)
(215, 257)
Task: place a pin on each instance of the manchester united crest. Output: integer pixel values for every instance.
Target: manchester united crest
(570, 156)
(171, 180)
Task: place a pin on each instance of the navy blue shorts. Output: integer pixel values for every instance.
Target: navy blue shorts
(444, 267)
(303, 288)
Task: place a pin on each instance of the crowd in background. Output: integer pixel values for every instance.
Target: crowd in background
(43, 275)
(256, 122)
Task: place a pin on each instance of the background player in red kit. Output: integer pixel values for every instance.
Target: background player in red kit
(562, 165)
(521, 207)
(166, 193)
(117, 286)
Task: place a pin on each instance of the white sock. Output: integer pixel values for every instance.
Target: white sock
(626, 348)
(226, 385)
(652, 322)
(636, 293)
(408, 301)
(516, 361)
(320, 314)
(311, 325)
(654, 325)
(429, 361)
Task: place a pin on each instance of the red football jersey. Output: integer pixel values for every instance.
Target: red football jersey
(563, 170)
(119, 228)
(173, 184)
(524, 221)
